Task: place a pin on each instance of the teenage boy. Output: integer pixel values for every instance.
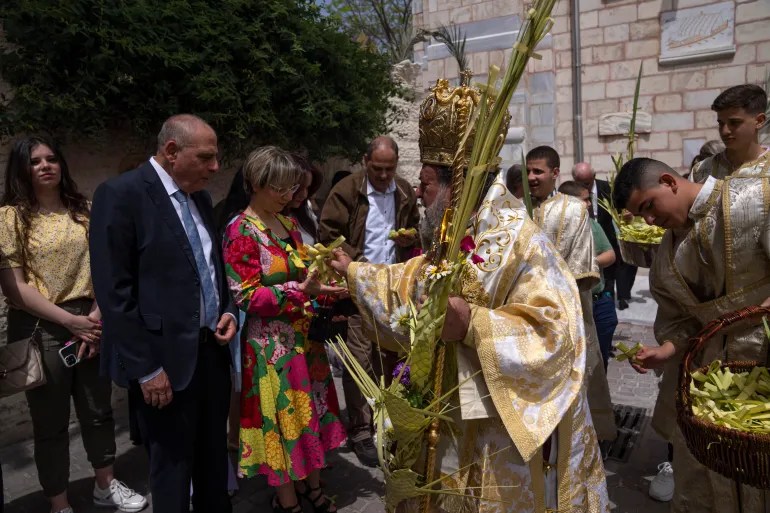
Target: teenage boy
(740, 115)
(565, 221)
(712, 260)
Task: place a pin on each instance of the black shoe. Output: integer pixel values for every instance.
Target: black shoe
(622, 304)
(366, 452)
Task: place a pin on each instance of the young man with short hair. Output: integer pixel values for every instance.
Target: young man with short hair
(740, 115)
(565, 221)
(714, 259)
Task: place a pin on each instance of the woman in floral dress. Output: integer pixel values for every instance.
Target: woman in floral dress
(289, 409)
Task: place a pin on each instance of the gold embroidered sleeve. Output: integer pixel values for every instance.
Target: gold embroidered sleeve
(378, 290)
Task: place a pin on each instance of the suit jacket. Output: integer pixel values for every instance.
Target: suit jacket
(145, 278)
(604, 218)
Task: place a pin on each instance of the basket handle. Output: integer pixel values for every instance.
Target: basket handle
(712, 328)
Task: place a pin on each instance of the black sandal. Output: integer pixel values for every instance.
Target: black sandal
(318, 507)
(277, 508)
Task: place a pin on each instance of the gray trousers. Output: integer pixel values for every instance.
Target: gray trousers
(49, 405)
(377, 363)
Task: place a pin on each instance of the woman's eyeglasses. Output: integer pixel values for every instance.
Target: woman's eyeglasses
(283, 191)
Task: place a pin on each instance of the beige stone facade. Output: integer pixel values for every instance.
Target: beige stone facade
(616, 36)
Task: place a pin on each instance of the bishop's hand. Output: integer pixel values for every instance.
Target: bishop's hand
(457, 320)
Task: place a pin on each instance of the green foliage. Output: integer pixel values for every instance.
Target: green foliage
(266, 71)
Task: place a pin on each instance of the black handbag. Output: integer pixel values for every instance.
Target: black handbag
(323, 329)
(320, 325)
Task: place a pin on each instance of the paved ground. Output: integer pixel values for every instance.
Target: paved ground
(358, 489)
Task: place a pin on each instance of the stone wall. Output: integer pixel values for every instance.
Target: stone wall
(616, 36)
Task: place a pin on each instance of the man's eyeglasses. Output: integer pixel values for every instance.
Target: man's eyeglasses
(283, 191)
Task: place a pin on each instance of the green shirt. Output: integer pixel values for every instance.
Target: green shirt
(601, 244)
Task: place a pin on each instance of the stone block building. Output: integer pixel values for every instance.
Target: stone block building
(690, 51)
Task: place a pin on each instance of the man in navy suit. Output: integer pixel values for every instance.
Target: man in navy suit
(168, 316)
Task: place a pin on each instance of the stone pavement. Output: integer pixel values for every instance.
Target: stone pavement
(357, 489)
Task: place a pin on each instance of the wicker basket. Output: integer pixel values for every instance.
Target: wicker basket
(738, 455)
(637, 253)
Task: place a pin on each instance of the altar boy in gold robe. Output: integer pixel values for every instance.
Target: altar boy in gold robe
(740, 112)
(564, 219)
(714, 259)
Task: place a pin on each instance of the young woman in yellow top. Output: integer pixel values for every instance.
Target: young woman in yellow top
(45, 275)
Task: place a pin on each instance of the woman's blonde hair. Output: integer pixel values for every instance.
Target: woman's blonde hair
(270, 166)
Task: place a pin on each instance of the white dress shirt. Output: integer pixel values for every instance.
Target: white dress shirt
(380, 220)
(171, 187)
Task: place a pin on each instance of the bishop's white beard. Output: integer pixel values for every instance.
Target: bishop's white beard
(431, 218)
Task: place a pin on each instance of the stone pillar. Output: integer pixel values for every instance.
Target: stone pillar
(405, 128)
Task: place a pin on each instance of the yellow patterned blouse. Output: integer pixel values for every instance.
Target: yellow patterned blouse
(58, 254)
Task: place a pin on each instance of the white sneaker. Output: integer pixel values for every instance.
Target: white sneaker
(120, 496)
(662, 486)
(65, 510)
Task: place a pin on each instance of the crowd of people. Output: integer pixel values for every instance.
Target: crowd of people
(213, 320)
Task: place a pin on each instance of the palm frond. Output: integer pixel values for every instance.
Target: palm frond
(454, 39)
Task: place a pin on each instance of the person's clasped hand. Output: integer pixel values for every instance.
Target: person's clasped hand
(404, 240)
(84, 328)
(652, 357)
(91, 342)
(226, 328)
(457, 320)
(313, 287)
(340, 261)
(157, 392)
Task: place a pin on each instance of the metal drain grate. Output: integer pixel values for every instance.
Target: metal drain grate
(630, 421)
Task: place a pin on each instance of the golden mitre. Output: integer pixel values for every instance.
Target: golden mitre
(444, 116)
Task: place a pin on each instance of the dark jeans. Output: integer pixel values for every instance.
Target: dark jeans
(187, 440)
(49, 405)
(606, 320)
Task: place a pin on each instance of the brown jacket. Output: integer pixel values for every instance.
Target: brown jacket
(345, 210)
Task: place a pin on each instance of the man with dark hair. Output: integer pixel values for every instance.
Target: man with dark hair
(740, 115)
(364, 208)
(514, 181)
(717, 241)
(565, 220)
(620, 273)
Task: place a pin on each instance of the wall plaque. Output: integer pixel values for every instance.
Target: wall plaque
(697, 33)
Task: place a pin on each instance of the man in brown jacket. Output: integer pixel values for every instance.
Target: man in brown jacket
(364, 207)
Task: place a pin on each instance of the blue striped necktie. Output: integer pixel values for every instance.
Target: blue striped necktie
(207, 286)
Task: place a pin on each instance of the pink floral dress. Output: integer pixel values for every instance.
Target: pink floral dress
(290, 415)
